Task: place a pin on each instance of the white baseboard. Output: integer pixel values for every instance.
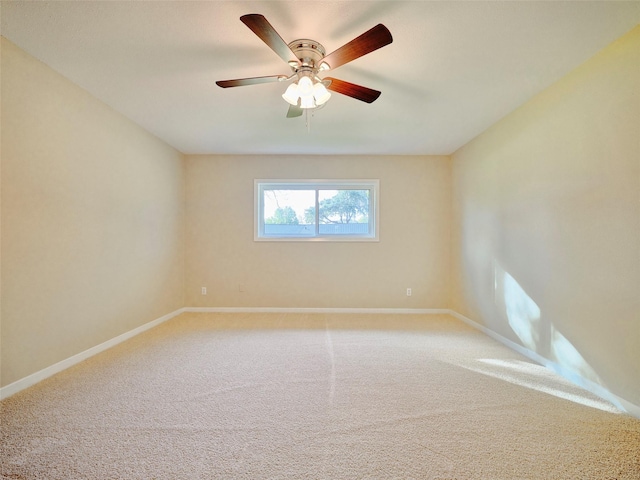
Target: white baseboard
(564, 372)
(387, 311)
(34, 378)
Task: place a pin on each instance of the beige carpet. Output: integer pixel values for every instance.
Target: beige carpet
(248, 396)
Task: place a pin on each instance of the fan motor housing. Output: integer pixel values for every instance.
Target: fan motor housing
(309, 52)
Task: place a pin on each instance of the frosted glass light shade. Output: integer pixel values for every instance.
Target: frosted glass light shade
(305, 86)
(321, 93)
(291, 95)
(307, 101)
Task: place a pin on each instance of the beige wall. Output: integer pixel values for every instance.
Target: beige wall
(92, 220)
(413, 250)
(546, 222)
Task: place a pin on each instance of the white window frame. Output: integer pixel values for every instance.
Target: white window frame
(374, 211)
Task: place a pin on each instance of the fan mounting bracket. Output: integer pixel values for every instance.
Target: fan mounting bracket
(309, 52)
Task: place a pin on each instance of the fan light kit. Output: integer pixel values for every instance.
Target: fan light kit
(307, 60)
(308, 91)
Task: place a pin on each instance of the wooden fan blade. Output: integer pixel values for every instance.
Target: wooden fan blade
(263, 29)
(241, 82)
(294, 111)
(352, 90)
(371, 40)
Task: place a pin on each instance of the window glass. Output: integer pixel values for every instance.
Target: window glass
(316, 210)
(285, 212)
(343, 212)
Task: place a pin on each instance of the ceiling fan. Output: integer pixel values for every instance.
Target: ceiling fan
(307, 59)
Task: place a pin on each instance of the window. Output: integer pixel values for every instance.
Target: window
(327, 210)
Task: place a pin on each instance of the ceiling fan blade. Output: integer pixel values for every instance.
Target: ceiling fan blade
(241, 82)
(263, 29)
(294, 111)
(371, 40)
(352, 90)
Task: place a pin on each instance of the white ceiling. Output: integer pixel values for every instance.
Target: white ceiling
(453, 69)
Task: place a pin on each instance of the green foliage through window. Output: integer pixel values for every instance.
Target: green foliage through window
(346, 206)
(283, 216)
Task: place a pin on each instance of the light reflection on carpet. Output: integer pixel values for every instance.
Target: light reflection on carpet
(537, 377)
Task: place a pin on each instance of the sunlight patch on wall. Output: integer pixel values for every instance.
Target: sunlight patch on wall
(522, 312)
(537, 334)
(565, 354)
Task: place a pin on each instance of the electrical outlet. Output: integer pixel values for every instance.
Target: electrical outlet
(204, 290)
(408, 292)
